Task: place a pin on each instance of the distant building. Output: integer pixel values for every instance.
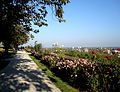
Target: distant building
(56, 45)
(77, 49)
(116, 51)
(108, 51)
(86, 50)
(73, 48)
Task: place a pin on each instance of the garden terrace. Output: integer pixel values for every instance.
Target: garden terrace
(86, 71)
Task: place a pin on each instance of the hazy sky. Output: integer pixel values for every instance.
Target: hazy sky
(90, 23)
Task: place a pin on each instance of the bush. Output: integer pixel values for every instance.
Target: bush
(94, 73)
(37, 47)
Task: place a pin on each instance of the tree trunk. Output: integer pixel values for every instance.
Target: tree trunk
(6, 46)
(16, 47)
(6, 50)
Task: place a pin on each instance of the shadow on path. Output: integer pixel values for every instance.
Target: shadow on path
(22, 75)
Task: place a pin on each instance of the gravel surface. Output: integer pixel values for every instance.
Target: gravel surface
(23, 75)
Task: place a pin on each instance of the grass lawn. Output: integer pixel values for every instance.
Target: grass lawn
(1, 49)
(64, 87)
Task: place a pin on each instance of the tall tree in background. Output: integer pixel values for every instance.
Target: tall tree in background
(24, 12)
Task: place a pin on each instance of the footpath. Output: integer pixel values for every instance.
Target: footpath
(23, 75)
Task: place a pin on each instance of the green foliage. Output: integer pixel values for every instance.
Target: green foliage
(58, 50)
(1, 49)
(18, 38)
(84, 55)
(37, 47)
(64, 87)
(25, 13)
(95, 73)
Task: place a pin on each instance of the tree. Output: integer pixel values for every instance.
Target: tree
(24, 12)
(19, 38)
(37, 46)
(16, 38)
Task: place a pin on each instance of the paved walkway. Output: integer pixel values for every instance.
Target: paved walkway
(23, 75)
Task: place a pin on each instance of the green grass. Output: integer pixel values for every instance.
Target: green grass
(9, 51)
(1, 49)
(64, 87)
(12, 52)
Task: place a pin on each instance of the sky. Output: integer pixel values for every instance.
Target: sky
(90, 23)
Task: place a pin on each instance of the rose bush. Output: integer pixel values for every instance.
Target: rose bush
(94, 73)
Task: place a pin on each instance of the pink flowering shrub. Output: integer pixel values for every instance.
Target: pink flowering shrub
(89, 72)
(82, 73)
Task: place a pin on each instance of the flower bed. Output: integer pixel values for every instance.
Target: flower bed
(101, 75)
(84, 75)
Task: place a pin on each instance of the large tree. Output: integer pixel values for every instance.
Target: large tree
(19, 37)
(25, 13)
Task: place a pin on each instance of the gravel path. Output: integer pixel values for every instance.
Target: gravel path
(23, 75)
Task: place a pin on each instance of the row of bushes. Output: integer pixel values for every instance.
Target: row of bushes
(82, 73)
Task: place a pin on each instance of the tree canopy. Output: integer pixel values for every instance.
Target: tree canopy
(23, 13)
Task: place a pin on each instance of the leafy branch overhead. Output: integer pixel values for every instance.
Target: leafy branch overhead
(25, 13)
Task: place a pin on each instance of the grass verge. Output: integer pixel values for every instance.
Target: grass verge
(64, 87)
(1, 49)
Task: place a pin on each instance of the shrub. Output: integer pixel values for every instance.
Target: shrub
(94, 73)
